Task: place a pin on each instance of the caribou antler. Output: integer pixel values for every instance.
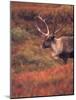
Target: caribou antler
(58, 29)
(45, 34)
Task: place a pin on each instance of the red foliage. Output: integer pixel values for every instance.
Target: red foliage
(54, 81)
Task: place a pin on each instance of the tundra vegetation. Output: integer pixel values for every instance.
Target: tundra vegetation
(33, 70)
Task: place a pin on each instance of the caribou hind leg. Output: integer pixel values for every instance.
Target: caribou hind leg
(65, 56)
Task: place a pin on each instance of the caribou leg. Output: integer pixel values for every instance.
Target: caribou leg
(64, 56)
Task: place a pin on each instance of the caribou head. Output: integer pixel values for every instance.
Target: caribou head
(48, 38)
(60, 47)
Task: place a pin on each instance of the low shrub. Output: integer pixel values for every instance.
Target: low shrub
(19, 35)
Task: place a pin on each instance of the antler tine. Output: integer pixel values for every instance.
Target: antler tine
(39, 29)
(58, 30)
(46, 34)
(55, 24)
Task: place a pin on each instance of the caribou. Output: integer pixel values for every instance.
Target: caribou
(61, 47)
